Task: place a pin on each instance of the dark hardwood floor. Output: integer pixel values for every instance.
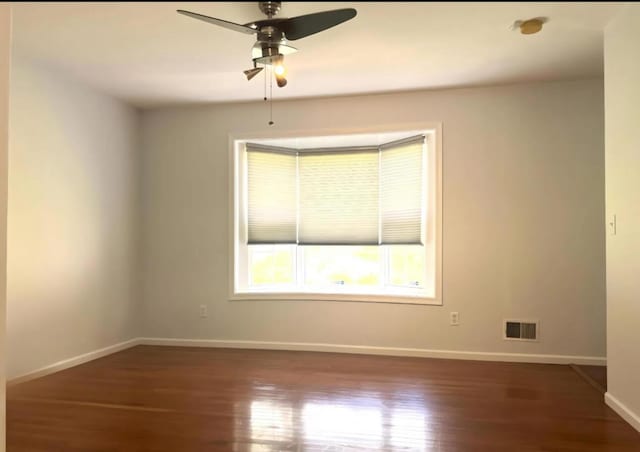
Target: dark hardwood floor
(596, 375)
(191, 399)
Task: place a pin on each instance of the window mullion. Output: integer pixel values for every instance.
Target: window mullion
(299, 250)
(385, 265)
(300, 267)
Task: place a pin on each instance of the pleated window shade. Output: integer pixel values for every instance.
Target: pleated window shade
(345, 196)
(338, 198)
(272, 196)
(401, 192)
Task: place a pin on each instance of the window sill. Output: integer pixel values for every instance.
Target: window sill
(354, 297)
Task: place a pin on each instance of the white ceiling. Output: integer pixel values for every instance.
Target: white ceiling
(149, 55)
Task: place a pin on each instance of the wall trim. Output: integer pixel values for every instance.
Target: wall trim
(623, 411)
(73, 361)
(387, 351)
(332, 348)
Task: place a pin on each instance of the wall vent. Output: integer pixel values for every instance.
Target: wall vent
(521, 330)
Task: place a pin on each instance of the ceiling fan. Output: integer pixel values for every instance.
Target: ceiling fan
(274, 34)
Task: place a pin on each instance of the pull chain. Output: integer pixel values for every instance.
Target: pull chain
(270, 96)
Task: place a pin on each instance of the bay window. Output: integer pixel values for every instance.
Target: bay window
(340, 217)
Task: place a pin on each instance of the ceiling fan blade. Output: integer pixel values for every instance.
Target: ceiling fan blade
(303, 26)
(222, 23)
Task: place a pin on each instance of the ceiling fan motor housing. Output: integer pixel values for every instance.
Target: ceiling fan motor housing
(269, 40)
(270, 33)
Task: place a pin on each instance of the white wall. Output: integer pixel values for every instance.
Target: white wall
(72, 230)
(523, 221)
(5, 50)
(622, 112)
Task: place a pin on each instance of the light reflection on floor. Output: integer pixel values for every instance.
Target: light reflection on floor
(271, 422)
(337, 422)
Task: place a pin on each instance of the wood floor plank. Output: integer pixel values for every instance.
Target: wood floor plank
(196, 399)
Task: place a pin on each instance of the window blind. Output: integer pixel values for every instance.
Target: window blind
(338, 197)
(271, 195)
(401, 191)
(342, 196)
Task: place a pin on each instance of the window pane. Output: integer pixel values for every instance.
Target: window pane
(342, 265)
(401, 190)
(407, 265)
(338, 198)
(271, 264)
(271, 198)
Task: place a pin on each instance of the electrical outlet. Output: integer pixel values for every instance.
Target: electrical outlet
(454, 319)
(203, 311)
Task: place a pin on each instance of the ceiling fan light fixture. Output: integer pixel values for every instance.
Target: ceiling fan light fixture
(279, 70)
(263, 49)
(250, 73)
(278, 66)
(281, 81)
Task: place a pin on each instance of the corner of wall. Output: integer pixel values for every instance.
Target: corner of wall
(622, 110)
(5, 62)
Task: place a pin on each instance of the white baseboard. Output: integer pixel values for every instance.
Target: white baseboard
(388, 351)
(623, 410)
(315, 347)
(74, 361)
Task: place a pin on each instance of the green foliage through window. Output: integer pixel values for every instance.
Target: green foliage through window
(333, 266)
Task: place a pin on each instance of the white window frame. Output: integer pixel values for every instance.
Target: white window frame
(237, 228)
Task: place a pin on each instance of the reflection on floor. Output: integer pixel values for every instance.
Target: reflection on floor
(189, 399)
(596, 376)
(350, 420)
